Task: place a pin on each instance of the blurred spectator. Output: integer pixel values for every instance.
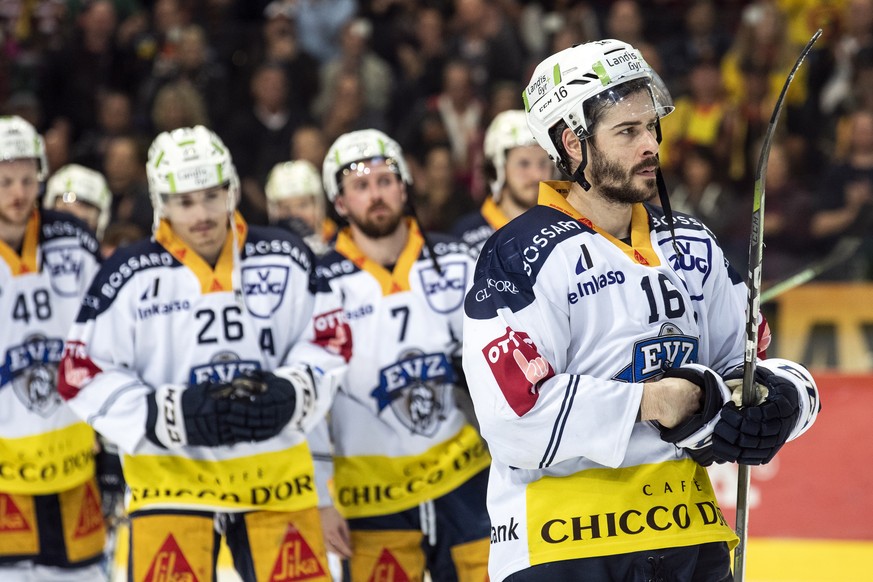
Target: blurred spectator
(855, 41)
(745, 121)
(483, 38)
(698, 191)
(790, 246)
(698, 117)
(124, 169)
(624, 21)
(259, 136)
(460, 114)
(421, 57)
(356, 58)
(114, 118)
(845, 197)
(347, 109)
(319, 23)
(191, 62)
(280, 45)
(178, 104)
(439, 199)
(88, 65)
(703, 39)
(58, 143)
(308, 143)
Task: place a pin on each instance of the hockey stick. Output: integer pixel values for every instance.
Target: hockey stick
(756, 252)
(841, 252)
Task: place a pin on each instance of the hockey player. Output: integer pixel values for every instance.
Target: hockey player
(515, 165)
(187, 354)
(295, 200)
(49, 502)
(409, 469)
(83, 193)
(601, 347)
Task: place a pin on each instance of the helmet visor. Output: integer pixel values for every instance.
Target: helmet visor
(640, 101)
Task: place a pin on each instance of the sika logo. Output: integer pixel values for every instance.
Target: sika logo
(170, 565)
(388, 569)
(90, 517)
(11, 518)
(296, 560)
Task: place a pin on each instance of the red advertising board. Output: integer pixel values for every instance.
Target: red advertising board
(821, 485)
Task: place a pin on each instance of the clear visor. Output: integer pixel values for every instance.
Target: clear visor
(366, 167)
(639, 102)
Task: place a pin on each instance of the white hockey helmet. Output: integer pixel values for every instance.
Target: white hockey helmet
(361, 146)
(74, 183)
(564, 83)
(20, 141)
(508, 130)
(293, 179)
(186, 160)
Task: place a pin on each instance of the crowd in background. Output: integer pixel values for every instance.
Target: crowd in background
(281, 80)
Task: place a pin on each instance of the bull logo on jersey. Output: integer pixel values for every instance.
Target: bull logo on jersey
(65, 266)
(444, 292)
(32, 368)
(224, 367)
(264, 288)
(418, 389)
(696, 255)
(651, 356)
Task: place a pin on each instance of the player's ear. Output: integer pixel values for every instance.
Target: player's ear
(339, 205)
(572, 145)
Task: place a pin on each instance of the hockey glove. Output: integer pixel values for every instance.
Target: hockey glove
(753, 435)
(695, 434)
(301, 382)
(253, 407)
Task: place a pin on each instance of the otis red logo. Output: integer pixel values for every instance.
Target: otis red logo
(296, 559)
(76, 369)
(333, 333)
(388, 569)
(518, 368)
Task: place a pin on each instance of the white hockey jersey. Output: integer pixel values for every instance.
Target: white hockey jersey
(158, 314)
(44, 447)
(475, 228)
(399, 438)
(562, 326)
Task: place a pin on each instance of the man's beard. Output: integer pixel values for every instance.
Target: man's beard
(378, 228)
(616, 184)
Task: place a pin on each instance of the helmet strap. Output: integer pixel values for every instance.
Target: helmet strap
(579, 174)
(664, 196)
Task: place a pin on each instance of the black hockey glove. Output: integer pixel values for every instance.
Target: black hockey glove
(252, 407)
(695, 434)
(753, 435)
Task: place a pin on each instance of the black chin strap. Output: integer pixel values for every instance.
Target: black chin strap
(579, 175)
(664, 197)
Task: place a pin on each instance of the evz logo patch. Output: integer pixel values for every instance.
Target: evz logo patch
(418, 389)
(264, 288)
(224, 367)
(444, 293)
(651, 356)
(64, 264)
(32, 367)
(518, 368)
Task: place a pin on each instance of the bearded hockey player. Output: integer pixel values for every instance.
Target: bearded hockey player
(188, 354)
(82, 192)
(515, 165)
(49, 501)
(600, 339)
(410, 471)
